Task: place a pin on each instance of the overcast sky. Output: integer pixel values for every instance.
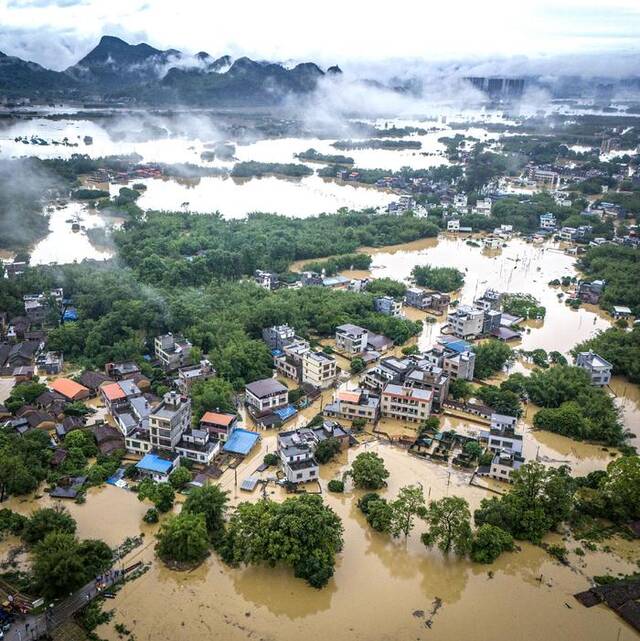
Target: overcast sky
(56, 33)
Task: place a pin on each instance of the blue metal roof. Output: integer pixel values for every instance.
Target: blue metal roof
(153, 463)
(286, 412)
(241, 441)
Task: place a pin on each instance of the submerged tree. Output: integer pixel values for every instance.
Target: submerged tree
(449, 522)
(368, 471)
(408, 505)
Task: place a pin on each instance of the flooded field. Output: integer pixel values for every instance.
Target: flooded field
(235, 198)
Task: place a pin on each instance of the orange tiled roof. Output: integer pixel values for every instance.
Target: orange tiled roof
(68, 388)
(218, 418)
(113, 391)
(349, 397)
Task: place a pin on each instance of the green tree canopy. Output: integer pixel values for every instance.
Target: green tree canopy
(368, 471)
(449, 525)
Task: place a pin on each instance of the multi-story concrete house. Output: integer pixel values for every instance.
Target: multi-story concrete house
(502, 434)
(418, 298)
(590, 292)
(406, 403)
(288, 362)
(547, 221)
(172, 351)
(296, 449)
(220, 425)
(278, 336)
(490, 300)
(351, 339)
(266, 395)
(169, 420)
(428, 377)
(503, 465)
(598, 368)
(319, 369)
(387, 370)
(191, 374)
(296, 457)
(352, 404)
(387, 305)
(466, 322)
(455, 358)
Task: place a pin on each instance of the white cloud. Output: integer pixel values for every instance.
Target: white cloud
(334, 30)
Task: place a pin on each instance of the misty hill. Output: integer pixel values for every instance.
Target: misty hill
(114, 63)
(17, 75)
(118, 70)
(245, 81)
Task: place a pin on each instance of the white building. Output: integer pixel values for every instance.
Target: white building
(388, 306)
(503, 436)
(547, 221)
(598, 368)
(483, 207)
(266, 395)
(351, 339)
(504, 464)
(169, 420)
(172, 351)
(453, 225)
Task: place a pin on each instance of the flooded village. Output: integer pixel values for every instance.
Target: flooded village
(158, 345)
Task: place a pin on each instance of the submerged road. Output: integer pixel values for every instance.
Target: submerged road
(35, 626)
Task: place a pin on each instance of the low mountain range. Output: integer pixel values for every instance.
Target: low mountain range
(117, 71)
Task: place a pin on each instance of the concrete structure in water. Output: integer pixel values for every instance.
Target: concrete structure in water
(598, 368)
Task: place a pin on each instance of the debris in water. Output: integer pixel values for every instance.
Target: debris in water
(419, 614)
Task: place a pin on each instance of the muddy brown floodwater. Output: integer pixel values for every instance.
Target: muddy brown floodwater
(382, 589)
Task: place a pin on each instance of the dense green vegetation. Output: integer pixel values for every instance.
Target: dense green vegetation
(620, 347)
(119, 315)
(252, 168)
(619, 266)
(368, 471)
(442, 279)
(183, 539)
(315, 156)
(332, 266)
(182, 249)
(375, 143)
(572, 406)
(491, 357)
(444, 173)
(524, 305)
(538, 501)
(387, 287)
(300, 532)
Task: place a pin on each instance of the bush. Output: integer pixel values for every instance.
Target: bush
(151, 515)
(336, 485)
(270, 459)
